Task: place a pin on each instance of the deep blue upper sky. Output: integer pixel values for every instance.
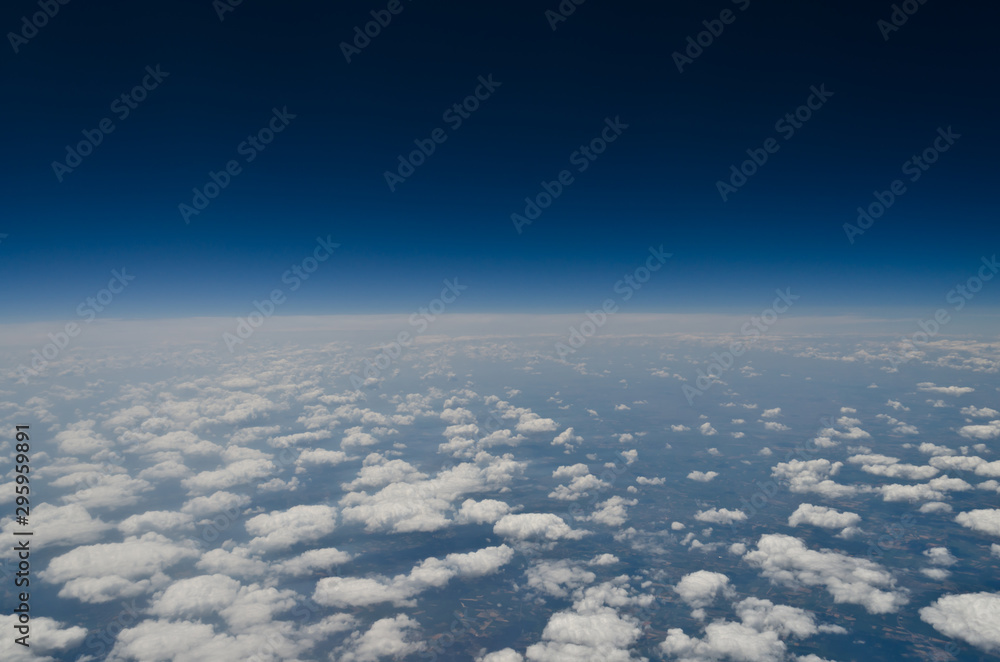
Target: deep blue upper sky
(656, 184)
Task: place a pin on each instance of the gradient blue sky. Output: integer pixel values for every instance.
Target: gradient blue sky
(653, 186)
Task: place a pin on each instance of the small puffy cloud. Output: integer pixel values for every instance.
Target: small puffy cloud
(214, 504)
(109, 571)
(567, 438)
(940, 556)
(571, 471)
(47, 637)
(679, 428)
(156, 520)
(530, 422)
(771, 413)
(702, 476)
(990, 430)
(720, 516)
(536, 525)
(313, 560)
(977, 412)
(56, 526)
(487, 511)
(281, 529)
(774, 426)
(612, 512)
(971, 617)
(558, 578)
(813, 476)
(387, 638)
(700, 589)
(945, 390)
(707, 429)
(786, 560)
(986, 520)
(824, 517)
(603, 559)
(505, 655)
(401, 589)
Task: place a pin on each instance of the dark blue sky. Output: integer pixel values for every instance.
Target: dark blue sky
(655, 184)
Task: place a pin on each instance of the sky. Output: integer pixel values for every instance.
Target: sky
(348, 107)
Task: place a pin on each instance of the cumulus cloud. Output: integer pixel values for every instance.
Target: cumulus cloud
(701, 588)
(986, 520)
(946, 390)
(980, 412)
(826, 518)
(487, 511)
(567, 438)
(972, 617)
(702, 476)
(104, 572)
(47, 637)
(990, 430)
(720, 516)
(558, 578)
(281, 529)
(401, 589)
(804, 476)
(786, 560)
(526, 526)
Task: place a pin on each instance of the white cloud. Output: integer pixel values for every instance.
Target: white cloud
(702, 476)
(104, 572)
(558, 578)
(989, 431)
(281, 529)
(701, 588)
(720, 516)
(401, 589)
(976, 412)
(487, 511)
(46, 636)
(535, 525)
(786, 560)
(771, 413)
(946, 390)
(985, 520)
(972, 617)
(826, 518)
